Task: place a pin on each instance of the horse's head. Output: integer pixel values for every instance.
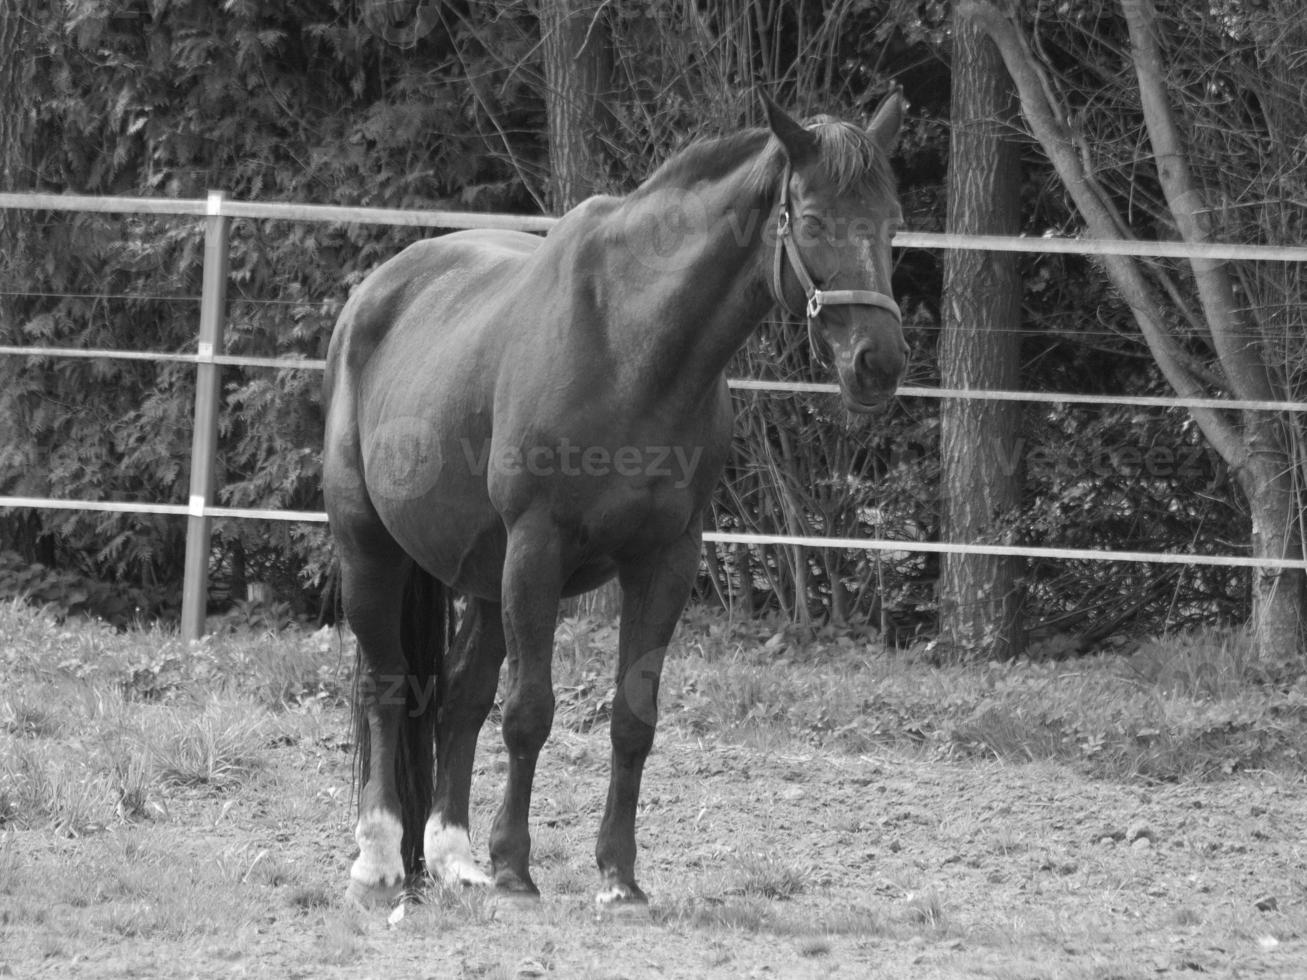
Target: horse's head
(837, 212)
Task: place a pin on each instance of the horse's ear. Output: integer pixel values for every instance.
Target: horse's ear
(885, 123)
(800, 145)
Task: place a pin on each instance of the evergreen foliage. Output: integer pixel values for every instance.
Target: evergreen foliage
(321, 101)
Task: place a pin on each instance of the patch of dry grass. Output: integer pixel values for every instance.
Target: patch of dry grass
(103, 736)
(216, 749)
(1194, 706)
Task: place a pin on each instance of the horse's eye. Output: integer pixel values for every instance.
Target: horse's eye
(813, 225)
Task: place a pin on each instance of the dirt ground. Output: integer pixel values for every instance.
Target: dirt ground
(761, 860)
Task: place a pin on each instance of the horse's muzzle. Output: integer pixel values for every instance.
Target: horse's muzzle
(872, 374)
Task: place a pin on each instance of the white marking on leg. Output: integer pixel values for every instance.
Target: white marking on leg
(378, 871)
(448, 850)
(612, 893)
(618, 899)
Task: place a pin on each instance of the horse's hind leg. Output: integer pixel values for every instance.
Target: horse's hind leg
(467, 693)
(372, 583)
(654, 592)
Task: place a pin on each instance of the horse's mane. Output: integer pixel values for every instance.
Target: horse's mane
(849, 157)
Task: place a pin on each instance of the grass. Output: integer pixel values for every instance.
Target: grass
(105, 736)
(217, 749)
(155, 665)
(100, 726)
(1193, 706)
(768, 876)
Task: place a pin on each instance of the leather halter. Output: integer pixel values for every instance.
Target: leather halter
(817, 298)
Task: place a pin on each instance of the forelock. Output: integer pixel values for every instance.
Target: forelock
(850, 157)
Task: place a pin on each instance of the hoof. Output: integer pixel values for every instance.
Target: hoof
(449, 855)
(514, 893)
(510, 883)
(619, 899)
(377, 875)
(373, 896)
(513, 904)
(460, 874)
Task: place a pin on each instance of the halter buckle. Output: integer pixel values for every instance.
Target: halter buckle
(814, 304)
(783, 223)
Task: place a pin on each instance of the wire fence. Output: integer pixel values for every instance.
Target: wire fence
(217, 211)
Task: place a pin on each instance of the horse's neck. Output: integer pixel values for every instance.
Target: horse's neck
(689, 307)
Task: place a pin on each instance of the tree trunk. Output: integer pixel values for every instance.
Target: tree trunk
(1253, 444)
(1266, 476)
(15, 65)
(1277, 593)
(21, 531)
(577, 49)
(980, 349)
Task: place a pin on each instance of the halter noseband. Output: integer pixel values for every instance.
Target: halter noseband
(817, 298)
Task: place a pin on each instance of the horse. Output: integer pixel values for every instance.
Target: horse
(512, 419)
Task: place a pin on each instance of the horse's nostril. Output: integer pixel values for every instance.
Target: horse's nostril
(871, 362)
(881, 367)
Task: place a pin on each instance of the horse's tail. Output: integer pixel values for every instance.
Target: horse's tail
(426, 627)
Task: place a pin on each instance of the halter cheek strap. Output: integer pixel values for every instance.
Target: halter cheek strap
(817, 298)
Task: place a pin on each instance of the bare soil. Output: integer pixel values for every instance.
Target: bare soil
(762, 859)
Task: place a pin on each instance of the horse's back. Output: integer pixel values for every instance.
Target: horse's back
(431, 281)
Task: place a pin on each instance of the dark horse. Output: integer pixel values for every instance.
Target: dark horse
(514, 419)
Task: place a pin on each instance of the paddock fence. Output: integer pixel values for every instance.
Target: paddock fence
(217, 211)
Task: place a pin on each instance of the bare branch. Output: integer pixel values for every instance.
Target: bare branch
(1240, 357)
(1047, 124)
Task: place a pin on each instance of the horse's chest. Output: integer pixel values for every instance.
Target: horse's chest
(626, 518)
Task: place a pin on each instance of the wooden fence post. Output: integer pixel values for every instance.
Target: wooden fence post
(204, 439)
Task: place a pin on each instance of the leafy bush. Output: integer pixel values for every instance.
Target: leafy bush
(66, 592)
(304, 100)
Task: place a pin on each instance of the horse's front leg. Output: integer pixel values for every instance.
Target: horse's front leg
(531, 588)
(654, 592)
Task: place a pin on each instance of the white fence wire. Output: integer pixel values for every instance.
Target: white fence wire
(218, 210)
